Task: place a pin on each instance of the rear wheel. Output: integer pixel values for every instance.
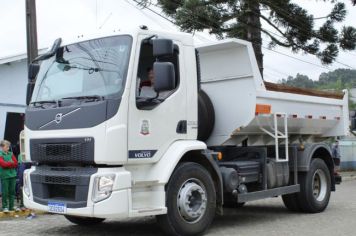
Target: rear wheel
(315, 187)
(191, 201)
(291, 200)
(84, 220)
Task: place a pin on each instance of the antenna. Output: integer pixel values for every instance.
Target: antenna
(96, 13)
(106, 19)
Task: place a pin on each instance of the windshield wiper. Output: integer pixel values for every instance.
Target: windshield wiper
(40, 103)
(89, 97)
(90, 70)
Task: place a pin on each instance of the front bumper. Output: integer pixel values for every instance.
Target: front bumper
(115, 206)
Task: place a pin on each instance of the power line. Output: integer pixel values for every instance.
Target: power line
(302, 29)
(298, 59)
(287, 14)
(275, 51)
(164, 17)
(277, 71)
(274, 75)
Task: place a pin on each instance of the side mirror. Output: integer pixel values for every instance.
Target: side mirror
(29, 91)
(162, 47)
(33, 70)
(51, 52)
(165, 79)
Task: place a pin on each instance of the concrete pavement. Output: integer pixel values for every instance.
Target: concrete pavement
(267, 217)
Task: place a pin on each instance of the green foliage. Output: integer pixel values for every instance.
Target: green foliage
(336, 80)
(293, 26)
(300, 81)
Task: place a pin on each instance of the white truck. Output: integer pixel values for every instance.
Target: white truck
(213, 135)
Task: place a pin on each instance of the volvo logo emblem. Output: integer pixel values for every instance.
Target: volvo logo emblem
(58, 118)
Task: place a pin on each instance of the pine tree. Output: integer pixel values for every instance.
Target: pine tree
(293, 27)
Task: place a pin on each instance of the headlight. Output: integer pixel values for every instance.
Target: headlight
(103, 186)
(26, 184)
(22, 145)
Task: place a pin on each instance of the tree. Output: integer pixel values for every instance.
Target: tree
(336, 80)
(293, 27)
(300, 81)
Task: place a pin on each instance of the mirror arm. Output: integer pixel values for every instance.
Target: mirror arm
(149, 38)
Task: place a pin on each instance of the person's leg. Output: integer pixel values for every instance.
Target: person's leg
(22, 206)
(12, 192)
(5, 193)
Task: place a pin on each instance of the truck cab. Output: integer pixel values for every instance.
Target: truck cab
(87, 124)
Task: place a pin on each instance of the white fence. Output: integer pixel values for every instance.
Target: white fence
(348, 153)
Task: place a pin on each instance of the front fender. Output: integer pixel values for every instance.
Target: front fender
(163, 169)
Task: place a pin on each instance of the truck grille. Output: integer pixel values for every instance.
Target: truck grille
(59, 175)
(69, 184)
(73, 150)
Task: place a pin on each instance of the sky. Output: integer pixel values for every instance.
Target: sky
(70, 18)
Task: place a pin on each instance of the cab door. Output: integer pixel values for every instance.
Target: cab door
(154, 125)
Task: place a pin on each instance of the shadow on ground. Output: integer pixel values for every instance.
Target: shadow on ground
(241, 217)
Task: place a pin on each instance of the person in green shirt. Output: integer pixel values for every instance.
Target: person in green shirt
(8, 165)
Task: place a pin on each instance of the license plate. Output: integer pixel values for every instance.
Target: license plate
(57, 207)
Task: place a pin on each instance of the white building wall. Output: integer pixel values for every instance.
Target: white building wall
(13, 82)
(353, 94)
(348, 153)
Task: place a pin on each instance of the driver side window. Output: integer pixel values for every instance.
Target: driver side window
(146, 96)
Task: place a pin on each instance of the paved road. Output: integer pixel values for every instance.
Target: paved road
(267, 217)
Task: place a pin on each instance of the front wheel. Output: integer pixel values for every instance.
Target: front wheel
(85, 221)
(315, 187)
(191, 201)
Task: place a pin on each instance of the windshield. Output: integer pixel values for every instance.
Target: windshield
(92, 68)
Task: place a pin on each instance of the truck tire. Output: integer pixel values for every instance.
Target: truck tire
(190, 201)
(291, 202)
(84, 221)
(206, 116)
(315, 187)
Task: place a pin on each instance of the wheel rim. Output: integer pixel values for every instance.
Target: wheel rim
(319, 185)
(192, 200)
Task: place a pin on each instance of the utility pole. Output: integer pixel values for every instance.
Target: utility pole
(31, 30)
(253, 30)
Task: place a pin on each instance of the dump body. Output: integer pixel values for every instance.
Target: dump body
(231, 78)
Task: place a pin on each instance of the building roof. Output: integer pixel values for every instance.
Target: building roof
(151, 16)
(17, 57)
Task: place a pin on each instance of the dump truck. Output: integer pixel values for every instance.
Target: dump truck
(214, 134)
